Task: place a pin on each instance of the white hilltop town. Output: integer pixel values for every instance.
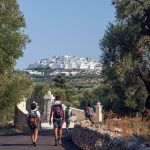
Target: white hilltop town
(66, 64)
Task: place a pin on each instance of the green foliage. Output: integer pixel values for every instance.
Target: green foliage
(14, 87)
(12, 37)
(60, 92)
(38, 93)
(68, 95)
(129, 8)
(123, 46)
(74, 100)
(60, 81)
(70, 91)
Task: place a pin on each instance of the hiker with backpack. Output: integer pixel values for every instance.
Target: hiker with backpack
(58, 114)
(89, 112)
(68, 115)
(34, 120)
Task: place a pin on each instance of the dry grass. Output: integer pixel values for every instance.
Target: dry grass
(129, 126)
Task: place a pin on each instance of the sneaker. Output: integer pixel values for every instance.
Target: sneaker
(34, 144)
(60, 142)
(56, 143)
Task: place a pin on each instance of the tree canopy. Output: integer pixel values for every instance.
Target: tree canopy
(13, 85)
(126, 44)
(12, 37)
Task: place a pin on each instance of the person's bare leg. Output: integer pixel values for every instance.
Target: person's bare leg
(60, 136)
(56, 135)
(32, 136)
(36, 134)
(68, 124)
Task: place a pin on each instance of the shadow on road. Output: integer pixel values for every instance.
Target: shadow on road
(66, 140)
(22, 141)
(15, 144)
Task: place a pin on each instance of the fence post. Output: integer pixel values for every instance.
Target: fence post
(98, 116)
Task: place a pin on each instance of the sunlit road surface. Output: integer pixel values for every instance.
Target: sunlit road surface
(45, 141)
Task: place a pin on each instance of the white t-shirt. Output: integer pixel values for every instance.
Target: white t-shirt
(58, 103)
(35, 110)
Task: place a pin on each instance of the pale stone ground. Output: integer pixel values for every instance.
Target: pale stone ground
(47, 126)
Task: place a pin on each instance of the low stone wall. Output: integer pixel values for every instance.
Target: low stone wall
(79, 114)
(89, 138)
(20, 119)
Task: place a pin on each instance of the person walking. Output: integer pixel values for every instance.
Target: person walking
(89, 112)
(68, 115)
(34, 120)
(58, 114)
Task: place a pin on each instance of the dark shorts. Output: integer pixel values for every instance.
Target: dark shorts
(33, 127)
(57, 123)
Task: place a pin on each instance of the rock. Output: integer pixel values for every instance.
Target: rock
(90, 138)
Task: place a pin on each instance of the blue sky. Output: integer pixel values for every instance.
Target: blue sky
(64, 27)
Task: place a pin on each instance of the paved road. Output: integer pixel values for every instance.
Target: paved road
(45, 142)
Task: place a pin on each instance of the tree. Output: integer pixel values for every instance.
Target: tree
(124, 45)
(60, 81)
(59, 92)
(13, 89)
(38, 93)
(146, 81)
(13, 85)
(135, 11)
(12, 37)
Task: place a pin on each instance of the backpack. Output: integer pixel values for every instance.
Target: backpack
(58, 111)
(33, 118)
(68, 112)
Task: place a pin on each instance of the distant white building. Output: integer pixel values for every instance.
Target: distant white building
(83, 66)
(33, 72)
(67, 62)
(74, 65)
(92, 66)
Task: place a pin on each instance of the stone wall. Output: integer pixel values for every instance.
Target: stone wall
(20, 119)
(89, 138)
(79, 114)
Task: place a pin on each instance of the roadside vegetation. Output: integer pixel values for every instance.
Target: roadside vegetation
(14, 86)
(125, 52)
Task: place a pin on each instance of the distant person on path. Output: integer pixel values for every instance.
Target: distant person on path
(58, 113)
(34, 120)
(68, 115)
(89, 112)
